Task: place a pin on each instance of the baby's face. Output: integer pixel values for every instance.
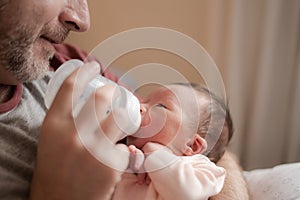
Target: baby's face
(170, 117)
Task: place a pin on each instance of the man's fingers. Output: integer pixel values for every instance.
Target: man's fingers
(141, 178)
(97, 115)
(148, 180)
(100, 134)
(87, 124)
(113, 125)
(97, 140)
(95, 112)
(95, 123)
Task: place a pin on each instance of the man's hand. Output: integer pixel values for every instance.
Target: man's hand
(65, 168)
(235, 186)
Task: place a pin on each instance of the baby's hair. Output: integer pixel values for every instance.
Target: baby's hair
(217, 132)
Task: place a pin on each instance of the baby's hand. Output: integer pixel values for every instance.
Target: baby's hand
(136, 164)
(136, 159)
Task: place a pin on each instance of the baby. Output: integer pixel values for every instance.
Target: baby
(175, 121)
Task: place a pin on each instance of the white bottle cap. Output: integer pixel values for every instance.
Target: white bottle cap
(58, 78)
(125, 100)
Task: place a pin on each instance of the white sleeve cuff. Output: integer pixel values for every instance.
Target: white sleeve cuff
(159, 159)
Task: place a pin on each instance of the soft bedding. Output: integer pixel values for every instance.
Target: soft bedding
(281, 182)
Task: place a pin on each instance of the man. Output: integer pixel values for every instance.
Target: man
(41, 156)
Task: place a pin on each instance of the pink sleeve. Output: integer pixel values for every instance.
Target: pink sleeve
(65, 52)
(187, 177)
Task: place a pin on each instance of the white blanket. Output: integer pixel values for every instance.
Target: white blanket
(281, 182)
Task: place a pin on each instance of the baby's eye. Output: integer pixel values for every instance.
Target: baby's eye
(161, 105)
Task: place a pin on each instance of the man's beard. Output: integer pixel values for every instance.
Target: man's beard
(18, 57)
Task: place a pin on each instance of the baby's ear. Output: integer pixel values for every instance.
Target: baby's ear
(198, 145)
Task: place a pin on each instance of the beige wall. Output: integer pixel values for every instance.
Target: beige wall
(190, 17)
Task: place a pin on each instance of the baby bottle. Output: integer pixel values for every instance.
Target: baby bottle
(125, 99)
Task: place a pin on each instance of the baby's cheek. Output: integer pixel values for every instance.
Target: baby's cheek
(155, 124)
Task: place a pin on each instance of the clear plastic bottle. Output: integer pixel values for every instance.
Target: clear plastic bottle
(125, 98)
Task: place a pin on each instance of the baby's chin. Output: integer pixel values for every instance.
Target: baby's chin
(137, 142)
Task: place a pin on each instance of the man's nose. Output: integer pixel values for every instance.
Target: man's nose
(75, 16)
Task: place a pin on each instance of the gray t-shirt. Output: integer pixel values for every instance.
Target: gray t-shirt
(20, 124)
(19, 130)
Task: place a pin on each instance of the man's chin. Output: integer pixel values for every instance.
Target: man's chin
(36, 69)
(36, 76)
(39, 64)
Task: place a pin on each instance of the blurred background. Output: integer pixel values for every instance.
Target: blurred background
(256, 46)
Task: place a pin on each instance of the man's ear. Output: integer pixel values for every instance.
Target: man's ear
(198, 145)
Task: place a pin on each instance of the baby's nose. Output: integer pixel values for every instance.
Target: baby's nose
(145, 115)
(143, 109)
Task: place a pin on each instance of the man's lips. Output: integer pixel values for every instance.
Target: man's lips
(51, 40)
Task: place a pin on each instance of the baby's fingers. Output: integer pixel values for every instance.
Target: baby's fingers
(136, 159)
